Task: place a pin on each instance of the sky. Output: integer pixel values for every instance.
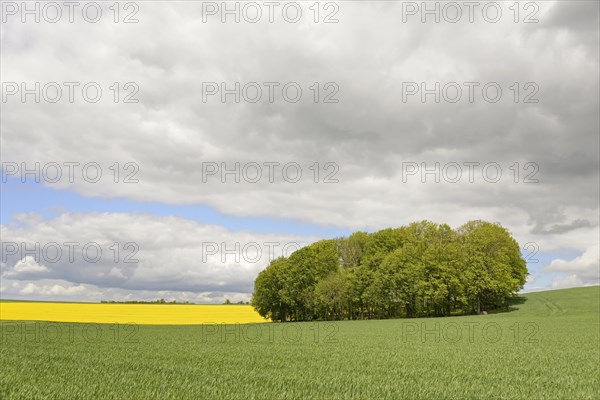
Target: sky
(165, 150)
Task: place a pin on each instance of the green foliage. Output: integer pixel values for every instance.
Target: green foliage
(332, 296)
(268, 298)
(423, 269)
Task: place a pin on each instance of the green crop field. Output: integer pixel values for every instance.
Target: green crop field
(546, 347)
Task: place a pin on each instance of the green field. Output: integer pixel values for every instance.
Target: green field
(547, 347)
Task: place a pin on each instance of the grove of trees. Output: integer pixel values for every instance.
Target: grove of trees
(420, 270)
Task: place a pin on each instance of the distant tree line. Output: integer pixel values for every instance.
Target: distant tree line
(159, 301)
(227, 301)
(420, 270)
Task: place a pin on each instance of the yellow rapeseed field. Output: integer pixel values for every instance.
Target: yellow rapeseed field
(149, 314)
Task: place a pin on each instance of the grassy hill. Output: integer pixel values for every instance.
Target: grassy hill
(546, 347)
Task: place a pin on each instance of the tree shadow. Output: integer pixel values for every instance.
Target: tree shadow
(514, 302)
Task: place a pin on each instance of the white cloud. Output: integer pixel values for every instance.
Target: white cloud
(58, 290)
(167, 253)
(61, 290)
(30, 288)
(579, 271)
(587, 262)
(53, 291)
(28, 265)
(566, 281)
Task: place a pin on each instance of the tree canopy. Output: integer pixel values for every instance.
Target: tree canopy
(420, 270)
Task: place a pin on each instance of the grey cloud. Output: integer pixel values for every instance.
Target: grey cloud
(578, 16)
(564, 228)
(369, 133)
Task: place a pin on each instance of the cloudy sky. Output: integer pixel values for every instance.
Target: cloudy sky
(173, 155)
